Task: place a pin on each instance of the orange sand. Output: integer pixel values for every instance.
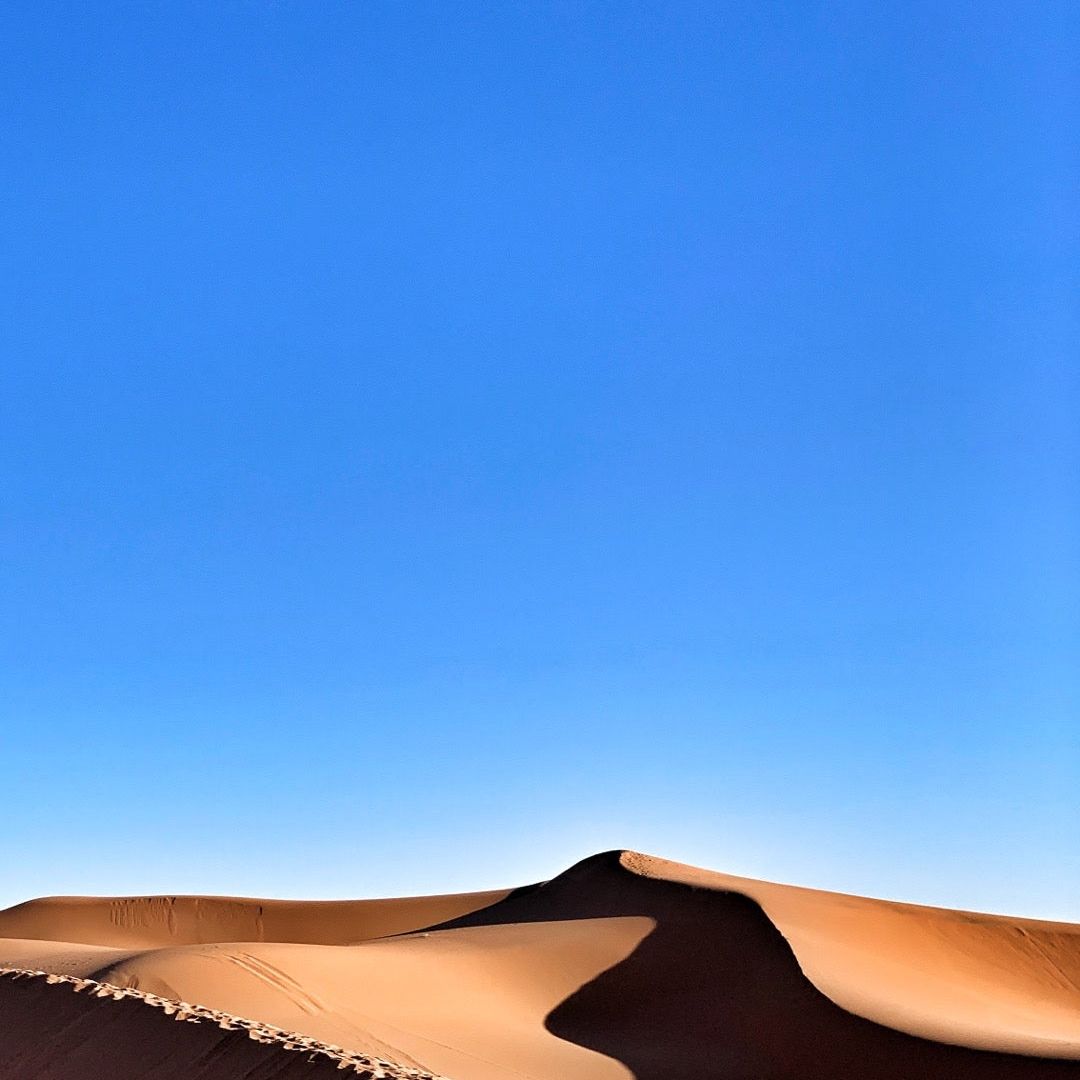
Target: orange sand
(624, 966)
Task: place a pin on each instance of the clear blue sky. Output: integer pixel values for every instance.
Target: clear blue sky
(440, 441)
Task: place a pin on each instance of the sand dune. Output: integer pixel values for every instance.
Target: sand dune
(146, 922)
(623, 966)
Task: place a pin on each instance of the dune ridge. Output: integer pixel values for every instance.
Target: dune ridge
(312, 1052)
(623, 966)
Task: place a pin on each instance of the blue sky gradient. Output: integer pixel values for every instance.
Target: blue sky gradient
(440, 441)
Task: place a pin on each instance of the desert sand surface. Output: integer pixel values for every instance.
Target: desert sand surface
(624, 966)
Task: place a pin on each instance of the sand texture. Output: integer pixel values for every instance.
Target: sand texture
(625, 966)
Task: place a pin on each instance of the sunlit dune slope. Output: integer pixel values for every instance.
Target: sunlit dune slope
(146, 922)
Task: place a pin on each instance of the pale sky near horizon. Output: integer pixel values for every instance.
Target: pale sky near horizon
(441, 441)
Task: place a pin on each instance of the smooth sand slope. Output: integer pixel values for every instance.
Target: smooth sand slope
(623, 966)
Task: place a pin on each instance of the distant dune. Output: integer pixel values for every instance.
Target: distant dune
(625, 966)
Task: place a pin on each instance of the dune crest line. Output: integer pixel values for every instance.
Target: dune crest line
(360, 1065)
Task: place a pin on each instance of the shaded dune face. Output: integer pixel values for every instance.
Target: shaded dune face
(624, 967)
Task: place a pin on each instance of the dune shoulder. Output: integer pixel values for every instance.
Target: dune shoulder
(158, 921)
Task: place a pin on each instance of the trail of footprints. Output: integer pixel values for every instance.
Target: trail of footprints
(362, 1065)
